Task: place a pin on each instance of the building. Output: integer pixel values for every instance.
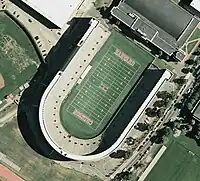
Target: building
(80, 107)
(196, 113)
(161, 22)
(58, 12)
(196, 5)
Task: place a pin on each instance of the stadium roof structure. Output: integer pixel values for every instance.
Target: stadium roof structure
(82, 100)
(58, 12)
(161, 22)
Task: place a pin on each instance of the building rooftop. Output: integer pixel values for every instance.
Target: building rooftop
(58, 12)
(195, 4)
(161, 22)
(163, 13)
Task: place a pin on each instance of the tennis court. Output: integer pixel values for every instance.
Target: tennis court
(115, 69)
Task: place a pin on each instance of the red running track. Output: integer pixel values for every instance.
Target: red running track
(8, 175)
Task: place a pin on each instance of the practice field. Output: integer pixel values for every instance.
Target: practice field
(179, 163)
(115, 69)
(19, 60)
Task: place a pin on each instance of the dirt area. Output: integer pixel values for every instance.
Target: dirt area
(2, 84)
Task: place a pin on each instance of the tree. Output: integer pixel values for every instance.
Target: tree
(121, 154)
(185, 70)
(160, 112)
(159, 103)
(142, 126)
(197, 52)
(164, 95)
(118, 154)
(124, 176)
(162, 135)
(180, 81)
(193, 70)
(179, 105)
(151, 112)
(189, 62)
(127, 154)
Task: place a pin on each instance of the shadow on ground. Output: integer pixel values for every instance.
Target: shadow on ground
(28, 111)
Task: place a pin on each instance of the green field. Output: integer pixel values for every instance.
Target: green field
(19, 60)
(162, 64)
(180, 162)
(192, 41)
(115, 69)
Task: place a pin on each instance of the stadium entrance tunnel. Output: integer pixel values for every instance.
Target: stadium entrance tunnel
(28, 109)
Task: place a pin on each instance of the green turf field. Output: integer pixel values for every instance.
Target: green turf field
(19, 60)
(180, 162)
(115, 69)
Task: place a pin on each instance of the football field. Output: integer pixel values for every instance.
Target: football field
(115, 69)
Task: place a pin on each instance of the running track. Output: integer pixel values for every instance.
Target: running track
(5, 173)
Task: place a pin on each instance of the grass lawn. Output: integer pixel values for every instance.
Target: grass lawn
(33, 166)
(19, 60)
(162, 64)
(195, 35)
(180, 162)
(192, 41)
(190, 46)
(115, 70)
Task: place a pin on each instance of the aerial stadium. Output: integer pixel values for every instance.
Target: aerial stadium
(85, 98)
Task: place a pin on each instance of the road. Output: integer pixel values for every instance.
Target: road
(8, 117)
